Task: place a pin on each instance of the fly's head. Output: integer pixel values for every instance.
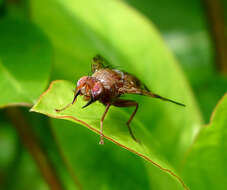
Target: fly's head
(90, 88)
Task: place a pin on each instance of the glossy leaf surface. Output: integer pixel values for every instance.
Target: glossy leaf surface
(206, 160)
(79, 30)
(25, 58)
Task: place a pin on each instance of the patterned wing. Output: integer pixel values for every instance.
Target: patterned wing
(99, 62)
(133, 85)
(132, 82)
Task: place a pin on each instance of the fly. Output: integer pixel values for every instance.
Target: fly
(106, 85)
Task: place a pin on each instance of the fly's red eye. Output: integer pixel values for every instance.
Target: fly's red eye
(96, 87)
(97, 90)
(82, 81)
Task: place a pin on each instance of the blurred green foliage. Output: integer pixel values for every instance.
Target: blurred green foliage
(207, 156)
(187, 35)
(45, 40)
(23, 50)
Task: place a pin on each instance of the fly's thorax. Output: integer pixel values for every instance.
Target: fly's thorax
(109, 78)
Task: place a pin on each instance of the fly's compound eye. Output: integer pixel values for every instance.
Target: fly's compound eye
(97, 90)
(82, 81)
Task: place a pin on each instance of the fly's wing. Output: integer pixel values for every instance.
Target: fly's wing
(132, 82)
(99, 62)
(132, 85)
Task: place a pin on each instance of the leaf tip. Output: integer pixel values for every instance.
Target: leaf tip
(32, 109)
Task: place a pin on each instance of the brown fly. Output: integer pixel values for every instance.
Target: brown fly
(107, 85)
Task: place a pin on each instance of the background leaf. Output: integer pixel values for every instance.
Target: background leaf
(206, 160)
(17, 168)
(123, 33)
(25, 57)
(60, 93)
(114, 36)
(106, 167)
(187, 34)
(129, 41)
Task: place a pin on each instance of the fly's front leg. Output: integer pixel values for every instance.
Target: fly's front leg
(101, 124)
(128, 103)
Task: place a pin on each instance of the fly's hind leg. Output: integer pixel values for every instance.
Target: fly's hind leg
(128, 103)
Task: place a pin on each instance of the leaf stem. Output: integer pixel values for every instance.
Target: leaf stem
(65, 160)
(31, 143)
(216, 21)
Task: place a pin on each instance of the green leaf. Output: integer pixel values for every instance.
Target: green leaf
(205, 165)
(106, 163)
(79, 30)
(25, 174)
(128, 40)
(25, 58)
(50, 145)
(60, 93)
